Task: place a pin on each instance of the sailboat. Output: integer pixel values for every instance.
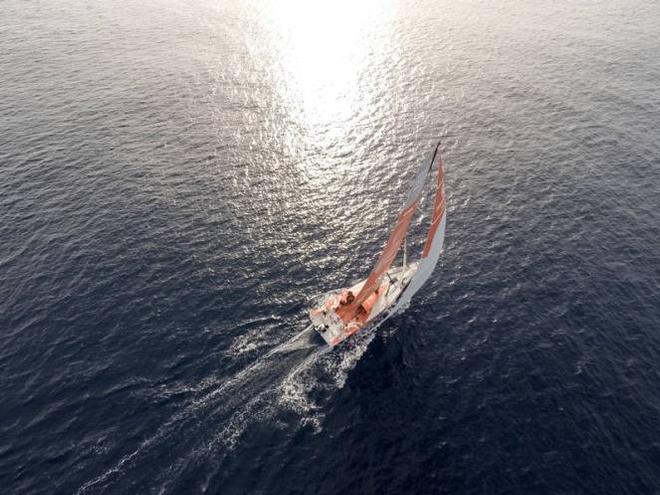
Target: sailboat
(388, 289)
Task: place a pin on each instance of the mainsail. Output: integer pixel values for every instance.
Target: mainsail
(433, 245)
(397, 236)
(438, 209)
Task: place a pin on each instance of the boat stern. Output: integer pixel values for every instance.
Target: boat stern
(328, 325)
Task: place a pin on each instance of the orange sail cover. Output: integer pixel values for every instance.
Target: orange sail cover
(349, 311)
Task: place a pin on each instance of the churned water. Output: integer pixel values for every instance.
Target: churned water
(179, 179)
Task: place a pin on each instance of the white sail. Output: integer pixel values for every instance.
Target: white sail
(425, 268)
(433, 244)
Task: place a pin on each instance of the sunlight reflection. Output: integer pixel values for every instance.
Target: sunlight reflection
(325, 51)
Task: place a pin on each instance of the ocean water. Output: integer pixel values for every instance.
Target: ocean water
(179, 179)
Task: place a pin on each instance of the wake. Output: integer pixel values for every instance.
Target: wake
(214, 423)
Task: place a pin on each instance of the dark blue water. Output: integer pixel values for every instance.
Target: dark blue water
(178, 179)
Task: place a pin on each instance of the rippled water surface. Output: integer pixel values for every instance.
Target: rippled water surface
(179, 179)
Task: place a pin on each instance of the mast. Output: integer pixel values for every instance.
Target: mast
(405, 252)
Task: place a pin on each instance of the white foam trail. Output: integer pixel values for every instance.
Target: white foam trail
(229, 389)
(260, 407)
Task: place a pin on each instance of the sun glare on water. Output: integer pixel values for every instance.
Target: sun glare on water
(327, 52)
